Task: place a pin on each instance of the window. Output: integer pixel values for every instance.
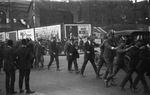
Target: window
(2, 17)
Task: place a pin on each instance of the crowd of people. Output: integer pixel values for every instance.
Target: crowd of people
(27, 54)
(130, 58)
(17, 57)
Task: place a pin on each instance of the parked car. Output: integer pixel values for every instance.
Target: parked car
(133, 35)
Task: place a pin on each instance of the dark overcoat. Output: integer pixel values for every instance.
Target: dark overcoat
(23, 56)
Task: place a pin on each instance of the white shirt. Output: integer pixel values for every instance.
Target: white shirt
(89, 42)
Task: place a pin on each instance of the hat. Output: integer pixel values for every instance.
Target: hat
(9, 42)
(23, 41)
(110, 33)
(72, 38)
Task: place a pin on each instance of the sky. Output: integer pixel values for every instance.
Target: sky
(77, 0)
(72, 0)
(137, 0)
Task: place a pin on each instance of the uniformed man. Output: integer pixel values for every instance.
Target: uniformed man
(2, 46)
(39, 55)
(9, 67)
(101, 60)
(72, 55)
(142, 67)
(109, 54)
(134, 59)
(53, 51)
(120, 60)
(89, 55)
(23, 57)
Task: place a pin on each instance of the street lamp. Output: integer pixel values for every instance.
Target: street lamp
(34, 26)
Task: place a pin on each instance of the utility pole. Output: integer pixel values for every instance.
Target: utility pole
(135, 14)
(33, 17)
(148, 9)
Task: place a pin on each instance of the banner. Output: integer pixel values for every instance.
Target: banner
(71, 29)
(78, 30)
(48, 32)
(26, 33)
(84, 30)
(2, 36)
(12, 35)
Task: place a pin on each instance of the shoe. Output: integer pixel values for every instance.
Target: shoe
(82, 75)
(48, 68)
(13, 92)
(69, 71)
(133, 90)
(8, 92)
(113, 80)
(21, 91)
(106, 83)
(58, 70)
(113, 84)
(122, 88)
(147, 91)
(29, 92)
(98, 76)
(77, 72)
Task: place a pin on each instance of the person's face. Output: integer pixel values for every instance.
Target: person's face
(111, 37)
(72, 41)
(91, 39)
(139, 43)
(148, 46)
(123, 44)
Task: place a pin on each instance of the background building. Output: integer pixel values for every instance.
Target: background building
(108, 14)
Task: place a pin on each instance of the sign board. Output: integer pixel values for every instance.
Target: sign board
(12, 35)
(48, 32)
(78, 30)
(2, 36)
(84, 30)
(26, 33)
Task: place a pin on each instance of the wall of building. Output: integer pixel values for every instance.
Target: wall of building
(59, 12)
(50, 17)
(4, 23)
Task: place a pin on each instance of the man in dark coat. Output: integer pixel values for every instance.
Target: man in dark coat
(101, 60)
(89, 55)
(9, 67)
(24, 56)
(72, 55)
(81, 43)
(30, 45)
(134, 59)
(66, 46)
(39, 55)
(142, 67)
(53, 51)
(2, 46)
(109, 54)
(120, 60)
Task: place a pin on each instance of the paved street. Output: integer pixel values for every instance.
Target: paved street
(52, 82)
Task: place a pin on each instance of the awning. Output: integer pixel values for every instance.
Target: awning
(99, 30)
